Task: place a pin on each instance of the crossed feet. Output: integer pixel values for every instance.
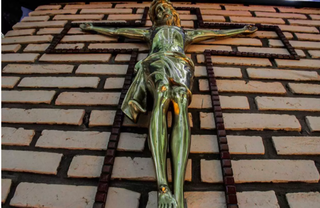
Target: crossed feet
(165, 198)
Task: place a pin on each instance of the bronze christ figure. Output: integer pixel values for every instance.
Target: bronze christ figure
(167, 73)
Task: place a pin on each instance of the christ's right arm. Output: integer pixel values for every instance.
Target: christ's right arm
(134, 33)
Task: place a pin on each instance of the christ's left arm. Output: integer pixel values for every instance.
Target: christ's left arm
(195, 36)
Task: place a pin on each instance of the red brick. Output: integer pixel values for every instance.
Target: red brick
(231, 72)
(266, 34)
(114, 83)
(280, 15)
(302, 10)
(49, 31)
(5, 189)
(88, 98)
(102, 118)
(30, 161)
(264, 50)
(42, 116)
(52, 12)
(35, 19)
(38, 69)
(24, 25)
(193, 17)
(304, 36)
(132, 5)
(20, 57)
(302, 63)
(36, 47)
(102, 69)
(305, 44)
(315, 17)
(251, 8)
(48, 7)
(10, 48)
(257, 198)
(76, 31)
(257, 20)
(314, 53)
(28, 39)
(9, 82)
(213, 18)
(27, 96)
(313, 123)
(87, 38)
(125, 17)
(13, 33)
(84, 166)
(40, 195)
(60, 82)
(92, 140)
(226, 13)
(70, 46)
(304, 22)
(132, 142)
(303, 199)
(120, 197)
(235, 41)
(88, 6)
(296, 145)
(259, 122)
(141, 47)
(233, 60)
(293, 28)
(211, 171)
(60, 58)
(79, 17)
(250, 87)
(19, 137)
(276, 171)
(106, 11)
(265, 73)
(288, 103)
(300, 88)
(180, 12)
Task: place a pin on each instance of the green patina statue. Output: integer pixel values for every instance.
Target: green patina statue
(167, 73)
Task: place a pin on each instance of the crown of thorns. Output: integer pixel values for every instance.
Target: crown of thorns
(153, 6)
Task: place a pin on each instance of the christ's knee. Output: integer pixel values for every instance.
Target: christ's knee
(161, 93)
(180, 95)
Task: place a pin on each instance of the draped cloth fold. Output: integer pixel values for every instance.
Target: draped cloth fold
(135, 101)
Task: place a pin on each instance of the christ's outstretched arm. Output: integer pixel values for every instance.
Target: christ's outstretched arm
(199, 35)
(134, 33)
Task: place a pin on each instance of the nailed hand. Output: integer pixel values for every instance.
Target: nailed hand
(250, 28)
(86, 26)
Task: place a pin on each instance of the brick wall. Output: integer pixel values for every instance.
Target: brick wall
(58, 109)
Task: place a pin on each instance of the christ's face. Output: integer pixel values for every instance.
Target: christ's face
(164, 14)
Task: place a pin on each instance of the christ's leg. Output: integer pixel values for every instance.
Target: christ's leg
(180, 141)
(158, 142)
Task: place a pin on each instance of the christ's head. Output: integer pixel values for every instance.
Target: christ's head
(162, 13)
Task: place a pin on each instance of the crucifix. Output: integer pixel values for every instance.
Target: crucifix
(167, 73)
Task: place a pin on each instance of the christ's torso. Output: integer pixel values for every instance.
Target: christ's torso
(167, 39)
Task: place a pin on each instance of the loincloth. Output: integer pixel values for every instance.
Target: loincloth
(172, 67)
